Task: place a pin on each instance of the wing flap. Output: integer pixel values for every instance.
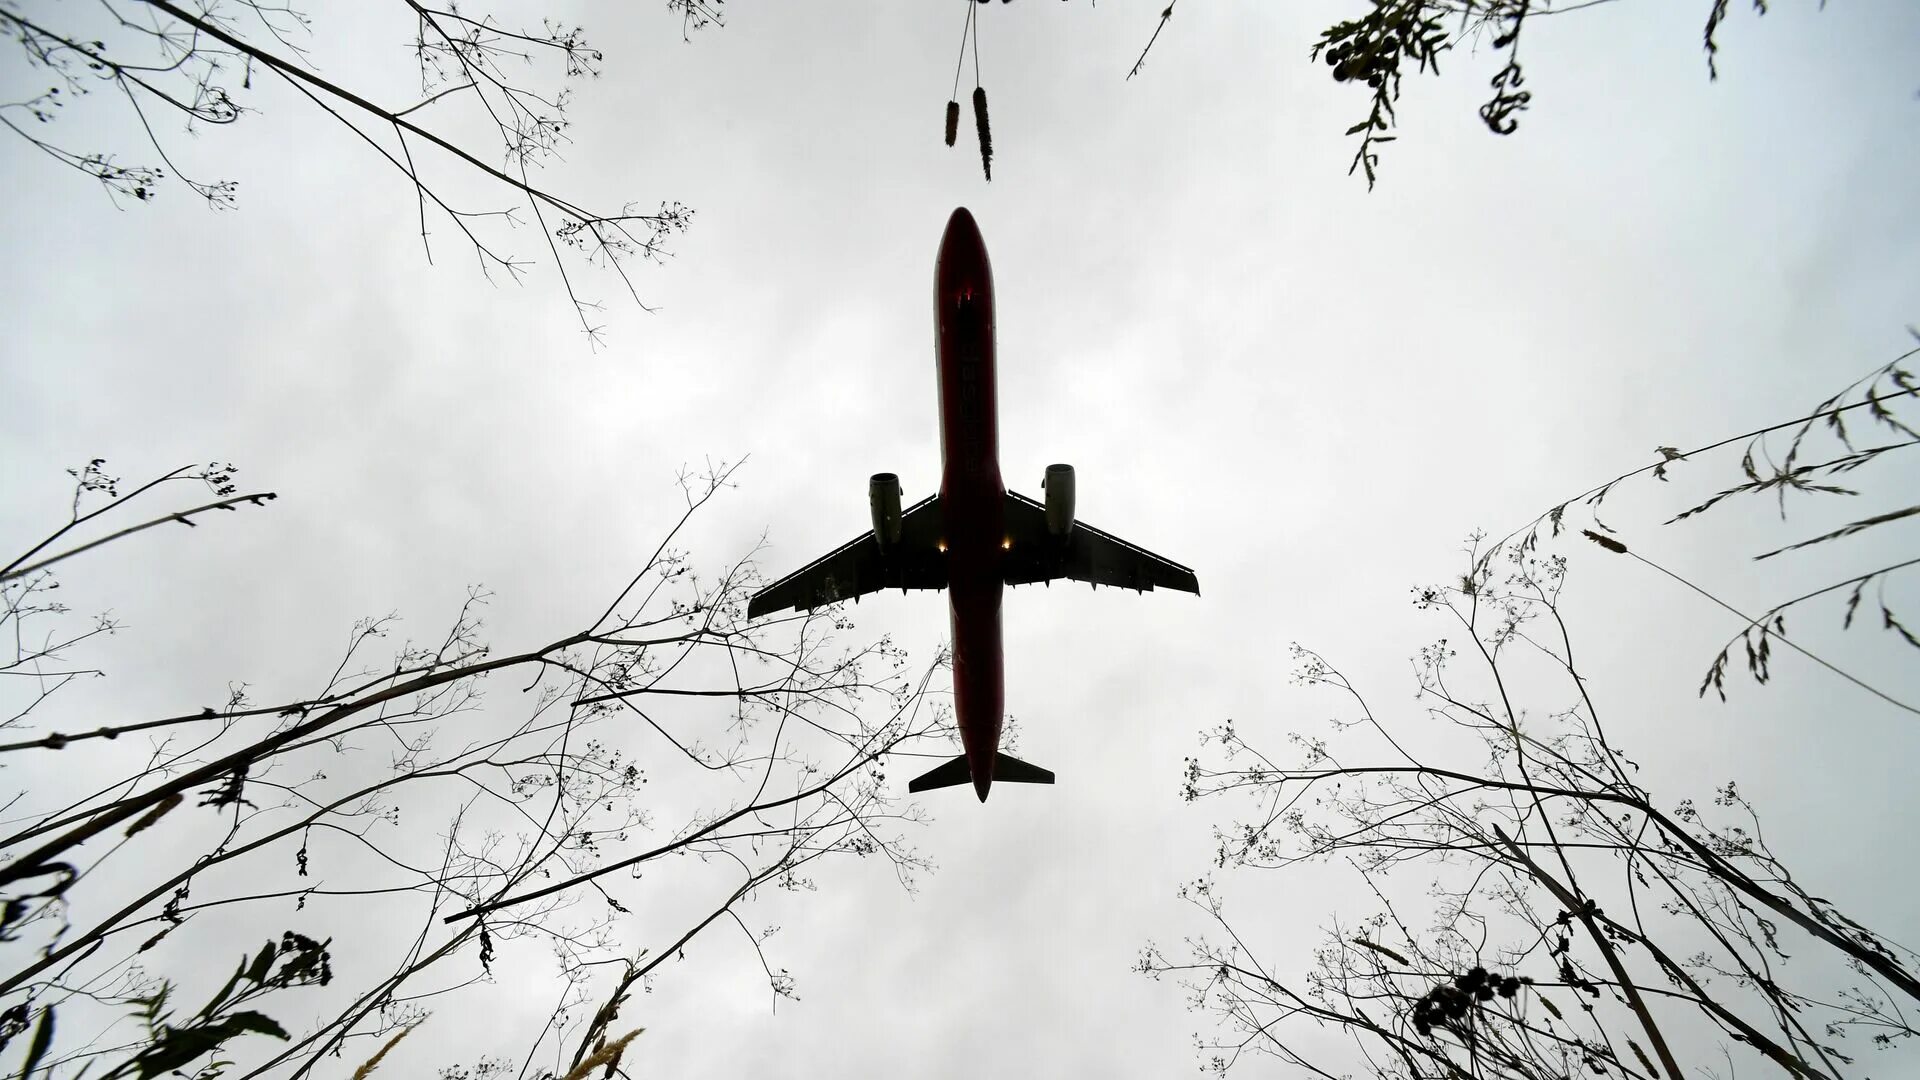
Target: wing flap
(1086, 554)
(860, 566)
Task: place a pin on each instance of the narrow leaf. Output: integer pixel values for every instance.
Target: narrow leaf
(256, 1022)
(262, 964)
(42, 1038)
(1845, 530)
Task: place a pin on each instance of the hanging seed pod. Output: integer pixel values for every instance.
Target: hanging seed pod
(986, 136)
(953, 121)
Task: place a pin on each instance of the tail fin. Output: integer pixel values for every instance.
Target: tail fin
(1006, 769)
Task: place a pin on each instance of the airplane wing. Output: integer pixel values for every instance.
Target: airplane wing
(1086, 554)
(860, 566)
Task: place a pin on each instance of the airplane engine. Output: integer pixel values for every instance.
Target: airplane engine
(883, 495)
(1059, 488)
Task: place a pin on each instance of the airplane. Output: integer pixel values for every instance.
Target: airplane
(974, 536)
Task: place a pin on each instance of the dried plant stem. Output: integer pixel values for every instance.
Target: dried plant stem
(1584, 912)
(258, 498)
(1784, 640)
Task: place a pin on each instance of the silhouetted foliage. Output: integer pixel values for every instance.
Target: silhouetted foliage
(194, 65)
(1392, 38)
(389, 802)
(1880, 403)
(970, 37)
(1572, 925)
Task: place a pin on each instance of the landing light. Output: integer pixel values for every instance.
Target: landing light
(1007, 544)
(942, 545)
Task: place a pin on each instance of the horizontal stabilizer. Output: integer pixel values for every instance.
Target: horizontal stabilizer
(951, 774)
(1006, 769)
(1011, 770)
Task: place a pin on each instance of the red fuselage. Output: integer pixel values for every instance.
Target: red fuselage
(972, 497)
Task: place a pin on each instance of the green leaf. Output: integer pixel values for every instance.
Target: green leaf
(176, 1050)
(42, 1038)
(262, 964)
(257, 1022)
(179, 1047)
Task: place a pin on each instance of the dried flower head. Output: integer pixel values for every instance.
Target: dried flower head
(986, 137)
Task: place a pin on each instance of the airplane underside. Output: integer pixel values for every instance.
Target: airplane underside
(975, 537)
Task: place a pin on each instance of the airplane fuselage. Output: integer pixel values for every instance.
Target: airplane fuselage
(974, 537)
(972, 495)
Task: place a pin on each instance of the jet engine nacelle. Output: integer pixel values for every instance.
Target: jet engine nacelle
(883, 495)
(1059, 488)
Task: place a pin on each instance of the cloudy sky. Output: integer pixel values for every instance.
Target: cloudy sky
(1308, 392)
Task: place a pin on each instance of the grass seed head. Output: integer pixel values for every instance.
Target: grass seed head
(986, 136)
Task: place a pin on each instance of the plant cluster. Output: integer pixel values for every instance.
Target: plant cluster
(1393, 37)
(191, 67)
(483, 837)
(1574, 924)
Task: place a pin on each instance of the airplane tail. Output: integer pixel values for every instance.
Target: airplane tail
(1006, 769)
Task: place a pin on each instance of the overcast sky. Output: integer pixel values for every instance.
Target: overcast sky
(1307, 392)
